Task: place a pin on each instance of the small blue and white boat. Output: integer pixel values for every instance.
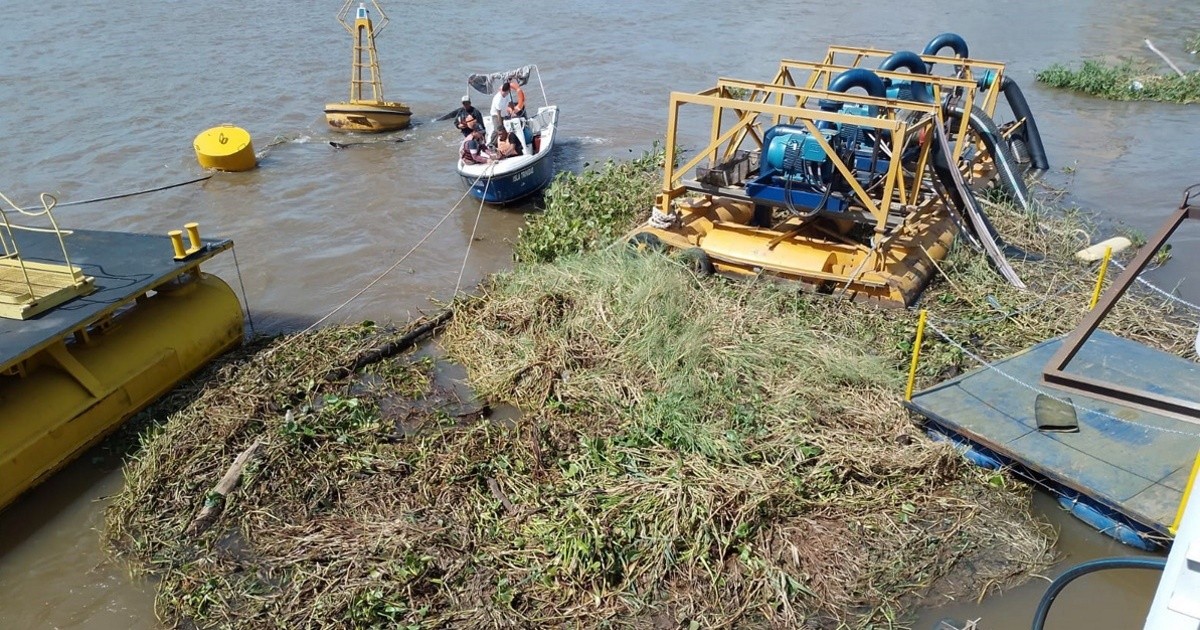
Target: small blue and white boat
(514, 178)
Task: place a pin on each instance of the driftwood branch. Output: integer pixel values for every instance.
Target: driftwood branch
(1164, 58)
(375, 355)
(212, 509)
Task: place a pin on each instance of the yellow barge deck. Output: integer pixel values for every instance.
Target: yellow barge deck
(75, 372)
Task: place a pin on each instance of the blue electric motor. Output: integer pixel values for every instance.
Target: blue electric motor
(798, 156)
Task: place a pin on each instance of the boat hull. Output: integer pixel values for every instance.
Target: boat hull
(516, 178)
(367, 117)
(507, 187)
(70, 395)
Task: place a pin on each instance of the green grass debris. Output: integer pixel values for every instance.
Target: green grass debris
(692, 452)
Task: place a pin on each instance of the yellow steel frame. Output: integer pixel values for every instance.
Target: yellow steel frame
(364, 28)
(905, 121)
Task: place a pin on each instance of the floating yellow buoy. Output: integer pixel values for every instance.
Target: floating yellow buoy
(225, 148)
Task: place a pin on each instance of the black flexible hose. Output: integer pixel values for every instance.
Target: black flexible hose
(124, 195)
(1033, 138)
(1006, 165)
(1061, 582)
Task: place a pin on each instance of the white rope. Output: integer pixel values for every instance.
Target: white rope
(662, 220)
(471, 241)
(1161, 292)
(980, 360)
(380, 277)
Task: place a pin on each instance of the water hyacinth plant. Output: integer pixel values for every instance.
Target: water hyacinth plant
(1123, 81)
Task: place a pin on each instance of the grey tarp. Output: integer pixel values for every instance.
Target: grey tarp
(490, 83)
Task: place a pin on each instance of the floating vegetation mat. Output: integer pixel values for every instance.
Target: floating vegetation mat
(1124, 81)
(693, 453)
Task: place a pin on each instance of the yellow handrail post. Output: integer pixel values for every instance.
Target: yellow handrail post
(912, 368)
(1187, 491)
(1100, 278)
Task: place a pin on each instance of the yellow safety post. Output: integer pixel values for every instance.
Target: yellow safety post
(912, 368)
(177, 243)
(1100, 278)
(1187, 491)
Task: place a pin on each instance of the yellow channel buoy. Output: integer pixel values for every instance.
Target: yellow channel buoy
(225, 148)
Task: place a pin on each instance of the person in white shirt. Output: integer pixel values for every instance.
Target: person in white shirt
(501, 104)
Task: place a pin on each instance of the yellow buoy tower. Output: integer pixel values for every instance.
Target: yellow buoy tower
(367, 115)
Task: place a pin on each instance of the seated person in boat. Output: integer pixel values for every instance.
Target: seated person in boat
(474, 150)
(467, 117)
(516, 109)
(507, 144)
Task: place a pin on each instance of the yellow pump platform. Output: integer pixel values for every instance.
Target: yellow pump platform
(140, 317)
(366, 115)
(804, 179)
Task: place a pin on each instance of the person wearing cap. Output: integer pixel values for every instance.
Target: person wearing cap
(467, 118)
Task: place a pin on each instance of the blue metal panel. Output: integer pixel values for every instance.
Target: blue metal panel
(1130, 462)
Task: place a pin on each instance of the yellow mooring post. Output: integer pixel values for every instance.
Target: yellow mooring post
(1187, 492)
(912, 368)
(1100, 278)
(177, 244)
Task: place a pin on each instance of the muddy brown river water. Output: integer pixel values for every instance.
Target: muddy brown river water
(105, 97)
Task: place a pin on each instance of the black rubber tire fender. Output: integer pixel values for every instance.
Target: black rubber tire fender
(646, 242)
(697, 260)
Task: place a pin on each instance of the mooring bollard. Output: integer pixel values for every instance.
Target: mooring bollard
(912, 368)
(1100, 278)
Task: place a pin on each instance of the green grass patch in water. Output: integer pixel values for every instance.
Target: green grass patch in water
(1123, 81)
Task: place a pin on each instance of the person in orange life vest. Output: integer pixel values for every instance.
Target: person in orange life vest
(517, 109)
(507, 144)
(473, 150)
